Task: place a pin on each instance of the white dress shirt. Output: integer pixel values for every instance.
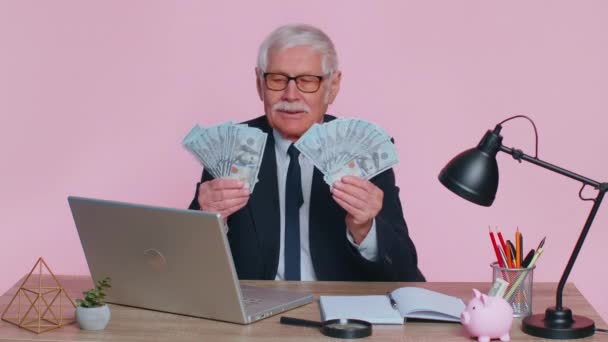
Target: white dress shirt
(368, 247)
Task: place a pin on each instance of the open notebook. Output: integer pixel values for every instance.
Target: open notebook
(412, 302)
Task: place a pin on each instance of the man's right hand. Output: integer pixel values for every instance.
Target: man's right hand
(223, 195)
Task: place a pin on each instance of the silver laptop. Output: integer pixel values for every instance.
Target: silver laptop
(171, 260)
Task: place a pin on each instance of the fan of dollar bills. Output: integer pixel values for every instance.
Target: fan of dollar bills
(228, 150)
(348, 147)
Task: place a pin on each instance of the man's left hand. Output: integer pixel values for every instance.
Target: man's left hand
(362, 201)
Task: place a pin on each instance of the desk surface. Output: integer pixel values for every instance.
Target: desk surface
(130, 324)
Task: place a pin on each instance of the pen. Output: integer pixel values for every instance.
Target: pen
(512, 249)
(531, 254)
(517, 248)
(392, 300)
(539, 251)
(542, 243)
(503, 257)
(509, 258)
(502, 241)
(498, 256)
(521, 249)
(528, 258)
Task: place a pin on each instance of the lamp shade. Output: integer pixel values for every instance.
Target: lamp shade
(473, 174)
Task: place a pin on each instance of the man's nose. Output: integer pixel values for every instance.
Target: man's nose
(291, 93)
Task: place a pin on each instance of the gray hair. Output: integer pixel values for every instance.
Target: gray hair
(289, 36)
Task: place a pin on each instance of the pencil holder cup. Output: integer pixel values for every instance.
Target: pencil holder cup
(519, 291)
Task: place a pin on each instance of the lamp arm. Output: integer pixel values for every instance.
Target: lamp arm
(518, 154)
(602, 187)
(577, 248)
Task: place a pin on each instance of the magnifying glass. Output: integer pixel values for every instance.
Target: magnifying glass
(340, 328)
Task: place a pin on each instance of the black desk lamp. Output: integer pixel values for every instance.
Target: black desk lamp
(473, 175)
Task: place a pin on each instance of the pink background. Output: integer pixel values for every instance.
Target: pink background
(95, 97)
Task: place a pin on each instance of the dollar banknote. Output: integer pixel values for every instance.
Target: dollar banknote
(367, 165)
(228, 150)
(348, 147)
(499, 287)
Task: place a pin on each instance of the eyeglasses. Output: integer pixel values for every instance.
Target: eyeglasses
(305, 83)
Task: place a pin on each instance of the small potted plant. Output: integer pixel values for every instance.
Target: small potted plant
(92, 313)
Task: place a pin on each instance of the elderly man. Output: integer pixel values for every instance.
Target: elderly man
(293, 226)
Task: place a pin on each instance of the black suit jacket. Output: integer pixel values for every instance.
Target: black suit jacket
(254, 230)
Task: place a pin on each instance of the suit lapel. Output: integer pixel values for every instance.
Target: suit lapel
(318, 194)
(264, 210)
(325, 219)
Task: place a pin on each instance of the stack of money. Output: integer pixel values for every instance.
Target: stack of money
(499, 287)
(228, 150)
(348, 147)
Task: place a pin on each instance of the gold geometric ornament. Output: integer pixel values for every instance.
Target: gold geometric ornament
(34, 306)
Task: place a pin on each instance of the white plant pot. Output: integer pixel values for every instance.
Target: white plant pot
(93, 318)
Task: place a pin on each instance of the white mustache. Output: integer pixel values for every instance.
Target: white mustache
(291, 107)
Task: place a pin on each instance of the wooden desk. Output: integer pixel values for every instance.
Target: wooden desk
(130, 324)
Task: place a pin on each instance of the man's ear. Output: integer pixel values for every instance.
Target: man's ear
(334, 87)
(258, 83)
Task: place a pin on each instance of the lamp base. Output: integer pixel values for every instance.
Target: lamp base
(558, 324)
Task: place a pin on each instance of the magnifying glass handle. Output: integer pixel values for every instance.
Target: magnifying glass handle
(299, 322)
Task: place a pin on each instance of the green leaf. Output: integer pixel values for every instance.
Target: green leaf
(95, 297)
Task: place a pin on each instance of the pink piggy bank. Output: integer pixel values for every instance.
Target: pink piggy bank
(487, 317)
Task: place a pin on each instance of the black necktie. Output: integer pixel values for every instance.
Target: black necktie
(293, 202)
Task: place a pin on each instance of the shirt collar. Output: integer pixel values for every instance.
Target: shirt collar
(281, 143)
